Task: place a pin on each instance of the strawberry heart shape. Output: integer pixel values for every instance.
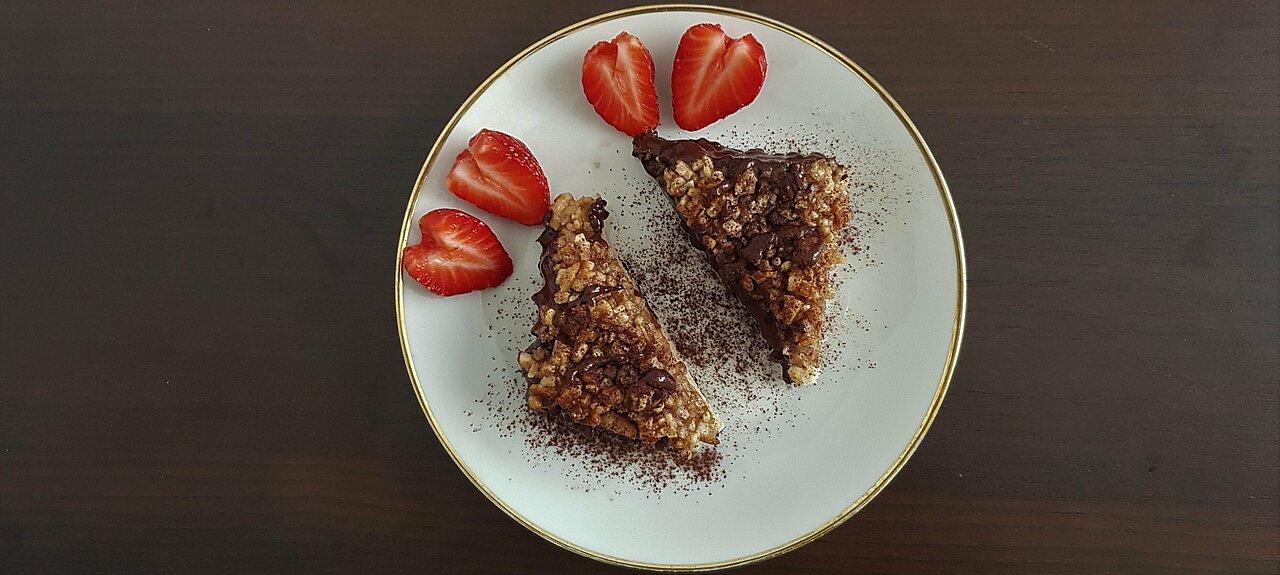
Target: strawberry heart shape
(458, 254)
(714, 75)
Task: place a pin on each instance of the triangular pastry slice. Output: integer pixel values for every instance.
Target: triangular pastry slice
(601, 357)
(771, 227)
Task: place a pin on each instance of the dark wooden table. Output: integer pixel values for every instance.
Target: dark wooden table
(199, 367)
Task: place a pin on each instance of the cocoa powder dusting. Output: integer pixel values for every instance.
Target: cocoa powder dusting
(601, 454)
(714, 334)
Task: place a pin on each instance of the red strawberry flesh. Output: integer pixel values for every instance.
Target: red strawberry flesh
(617, 79)
(714, 75)
(499, 174)
(458, 254)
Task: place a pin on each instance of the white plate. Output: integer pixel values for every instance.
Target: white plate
(793, 462)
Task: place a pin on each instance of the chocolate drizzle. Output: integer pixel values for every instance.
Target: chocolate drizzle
(589, 294)
(547, 239)
(657, 378)
(800, 243)
(546, 267)
(575, 370)
(595, 218)
(649, 147)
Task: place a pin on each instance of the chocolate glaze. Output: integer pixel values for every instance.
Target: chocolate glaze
(779, 171)
(656, 377)
(659, 378)
(649, 146)
(595, 218)
(587, 364)
(802, 245)
(546, 267)
(589, 294)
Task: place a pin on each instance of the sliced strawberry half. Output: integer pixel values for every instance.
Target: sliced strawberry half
(617, 77)
(714, 75)
(458, 254)
(499, 175)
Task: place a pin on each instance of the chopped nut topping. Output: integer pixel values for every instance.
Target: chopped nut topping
(770, 225)
(601, 356)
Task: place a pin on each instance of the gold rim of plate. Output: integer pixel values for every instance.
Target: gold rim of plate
(957, 328)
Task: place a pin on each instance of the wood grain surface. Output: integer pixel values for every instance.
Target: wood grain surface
(199, 366)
